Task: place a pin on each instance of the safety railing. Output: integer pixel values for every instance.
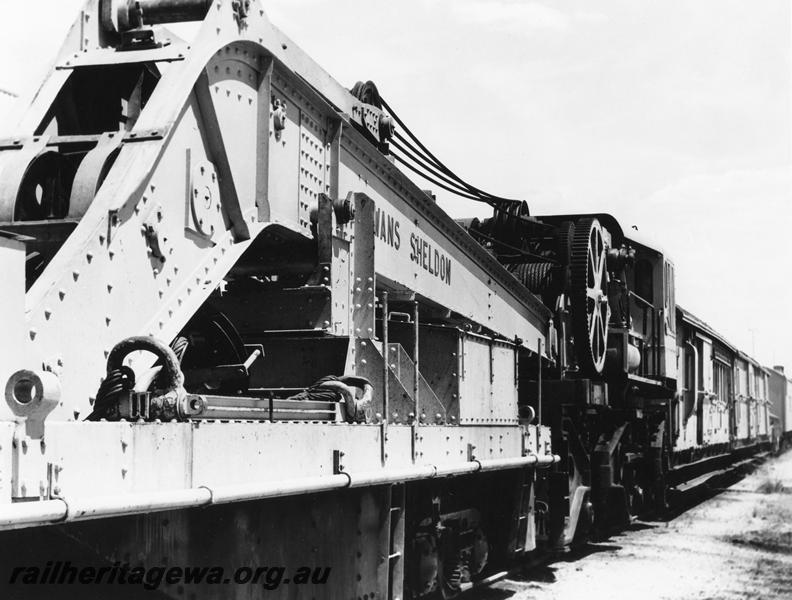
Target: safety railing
(648, 340)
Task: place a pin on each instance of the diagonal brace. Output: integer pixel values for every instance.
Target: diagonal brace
(219, 156)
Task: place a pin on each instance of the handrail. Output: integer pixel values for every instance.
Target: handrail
(652, 333)
(17, 515)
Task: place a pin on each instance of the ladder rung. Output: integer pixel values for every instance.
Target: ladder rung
(394, 555)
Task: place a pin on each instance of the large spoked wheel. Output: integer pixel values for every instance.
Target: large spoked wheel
(589, 295)
(209, 340)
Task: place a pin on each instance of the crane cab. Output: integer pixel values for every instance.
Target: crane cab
(642, 337)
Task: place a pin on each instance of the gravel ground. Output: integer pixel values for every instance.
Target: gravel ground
(737, 544)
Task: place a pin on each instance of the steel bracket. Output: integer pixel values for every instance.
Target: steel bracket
(338, 466)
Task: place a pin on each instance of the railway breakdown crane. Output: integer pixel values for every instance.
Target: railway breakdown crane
(237, 334)
(221, 292)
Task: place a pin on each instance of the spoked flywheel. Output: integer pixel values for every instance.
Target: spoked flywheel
(208, 341)
(589, 295)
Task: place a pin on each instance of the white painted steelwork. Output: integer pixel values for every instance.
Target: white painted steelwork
(213, 105)
(63, 510)
(242, 139)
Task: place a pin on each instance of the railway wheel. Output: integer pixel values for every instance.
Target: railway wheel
(426, 566)
(589, 295)
(628, 477)
(661, 468)
(464, 558)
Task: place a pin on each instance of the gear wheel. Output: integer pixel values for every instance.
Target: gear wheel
(563, 252)
(588, 295)
(425, 570)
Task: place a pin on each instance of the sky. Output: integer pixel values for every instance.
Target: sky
(673, 116)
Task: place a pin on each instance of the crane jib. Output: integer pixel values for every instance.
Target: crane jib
(430, 259)
(387, 229)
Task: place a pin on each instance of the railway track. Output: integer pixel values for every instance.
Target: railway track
(687, 497)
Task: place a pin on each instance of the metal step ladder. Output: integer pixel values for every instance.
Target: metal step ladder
(526, 523)
(396, 543)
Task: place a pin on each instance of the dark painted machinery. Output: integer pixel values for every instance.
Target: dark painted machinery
(631, 434)
(606, 390)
